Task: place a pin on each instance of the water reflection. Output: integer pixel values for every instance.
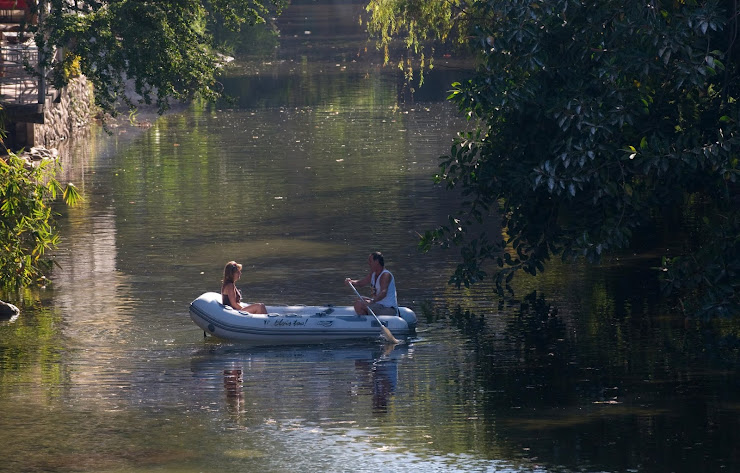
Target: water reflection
(301, 84)
(620, 389)
(9, 319)
(583, 372)
(323, 372)
(379, 376)
(233, 382)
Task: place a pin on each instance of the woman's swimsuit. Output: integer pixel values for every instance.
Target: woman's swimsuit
(225, 297)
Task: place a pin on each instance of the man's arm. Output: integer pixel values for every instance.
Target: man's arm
(359, 282)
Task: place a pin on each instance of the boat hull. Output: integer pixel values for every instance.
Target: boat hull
(294, 324)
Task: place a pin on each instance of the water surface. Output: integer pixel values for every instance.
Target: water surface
(323, 158)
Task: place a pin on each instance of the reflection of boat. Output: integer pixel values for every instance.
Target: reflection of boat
(310, 376)
(214, 357)
(294, 324)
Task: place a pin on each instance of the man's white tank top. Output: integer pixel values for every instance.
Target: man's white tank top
(390, 299)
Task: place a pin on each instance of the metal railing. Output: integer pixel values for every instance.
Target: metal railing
(17, 85)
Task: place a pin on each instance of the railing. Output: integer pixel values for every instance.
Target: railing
(8, 15)
(18, 86)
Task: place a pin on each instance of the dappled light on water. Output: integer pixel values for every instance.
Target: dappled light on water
(311, 169)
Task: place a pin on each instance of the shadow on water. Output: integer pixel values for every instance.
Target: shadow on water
(325, 160)
(627, 392)
(326, 57)
(296, 83)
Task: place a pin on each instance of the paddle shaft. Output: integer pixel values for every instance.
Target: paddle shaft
(387, 333)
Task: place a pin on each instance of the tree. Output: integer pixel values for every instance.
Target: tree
(164, 49)
(423, 26)
(596, 118)
(26, 219)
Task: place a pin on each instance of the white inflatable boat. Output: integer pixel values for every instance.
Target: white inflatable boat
(294, 323)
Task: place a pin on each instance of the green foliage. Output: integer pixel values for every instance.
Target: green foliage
(133, 51)
(422, 25)
(71, 67)
(137, 51)
(596, 117)
(26, 231)
(259, 40)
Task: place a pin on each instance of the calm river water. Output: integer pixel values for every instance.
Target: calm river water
(323, 157)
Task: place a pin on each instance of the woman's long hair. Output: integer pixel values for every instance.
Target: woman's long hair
(230, 270)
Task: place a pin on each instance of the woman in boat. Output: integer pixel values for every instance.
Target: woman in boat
(233, 296)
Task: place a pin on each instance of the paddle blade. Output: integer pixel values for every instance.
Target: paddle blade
(388, 335)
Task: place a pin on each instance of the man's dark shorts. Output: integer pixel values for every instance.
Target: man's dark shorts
(381, 309)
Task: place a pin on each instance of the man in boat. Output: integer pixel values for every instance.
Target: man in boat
(383, 299)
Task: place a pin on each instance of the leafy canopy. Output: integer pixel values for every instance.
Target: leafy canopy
(596, 118)
(140, 51)
(421, 24)
(133, 51)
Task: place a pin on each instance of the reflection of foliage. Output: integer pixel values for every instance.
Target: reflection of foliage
(534, 311)
(706, 278)
(472, 325)
(30, 342)
(724, 341)
(537, 329)
(26, 219)
(426, 310)
(554, 379)
(522, 351)
(251, 40)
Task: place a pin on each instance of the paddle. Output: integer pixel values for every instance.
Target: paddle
(386, 333)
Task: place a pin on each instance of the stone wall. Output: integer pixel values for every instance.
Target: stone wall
(62, 117)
